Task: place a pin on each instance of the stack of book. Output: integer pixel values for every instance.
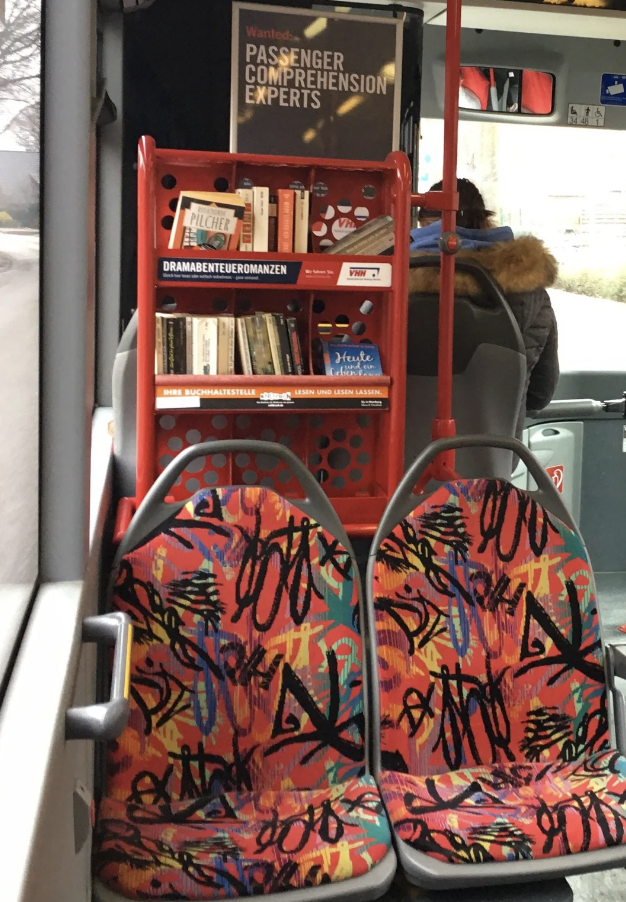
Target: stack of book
(269, 345)
(194, 345)
(375, 237)
(188, 344)
(250, 220)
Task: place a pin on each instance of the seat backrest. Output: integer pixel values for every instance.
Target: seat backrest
(125, 410)
(246, 668)
(489, 371)
(488, 635)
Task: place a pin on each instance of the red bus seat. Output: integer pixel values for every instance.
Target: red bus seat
(495, 762)
(243, 769)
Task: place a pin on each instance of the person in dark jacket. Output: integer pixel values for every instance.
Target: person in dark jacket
(523, 267)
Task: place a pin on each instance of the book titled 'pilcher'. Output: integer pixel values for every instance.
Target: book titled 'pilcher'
(351, 359)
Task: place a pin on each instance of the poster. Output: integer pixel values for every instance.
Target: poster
(315, 85)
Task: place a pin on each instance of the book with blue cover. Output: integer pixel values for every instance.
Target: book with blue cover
(351, 359)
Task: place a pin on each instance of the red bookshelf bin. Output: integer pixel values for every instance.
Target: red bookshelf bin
(348, 430)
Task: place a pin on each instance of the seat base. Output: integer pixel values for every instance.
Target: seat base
(366, 888)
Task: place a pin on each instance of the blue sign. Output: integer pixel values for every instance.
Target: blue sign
(613, 90)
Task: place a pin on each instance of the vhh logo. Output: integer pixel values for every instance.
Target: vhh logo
(557, 475)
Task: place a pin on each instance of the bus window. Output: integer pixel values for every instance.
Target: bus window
(20, 63)
(551, 183)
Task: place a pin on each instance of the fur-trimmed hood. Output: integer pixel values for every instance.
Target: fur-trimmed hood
(523, 264)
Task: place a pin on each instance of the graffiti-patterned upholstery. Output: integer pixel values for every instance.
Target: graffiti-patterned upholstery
(242, 769)
(495, 742)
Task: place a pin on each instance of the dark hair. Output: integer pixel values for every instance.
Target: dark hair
(472, 213)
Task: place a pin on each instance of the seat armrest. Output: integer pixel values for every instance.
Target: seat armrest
(616, 667)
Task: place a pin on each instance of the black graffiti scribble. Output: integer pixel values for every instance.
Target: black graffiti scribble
(333, 552)
(197, 591)
(427, 621)
(498, 496)
(212, 807)
(201, 774)
(416, 707)
(291, 834)
(506, 777)
(152, 617)
(491, 598)
(446, 525)
(173, 696)
(327, 730)
(288, 552)
(121, 843)
(506, 835)
(576, 817)
(242, 669)
(544, 729)
(568, 652)
(464, 696)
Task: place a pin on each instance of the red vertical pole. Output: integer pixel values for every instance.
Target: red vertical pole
(444, 425)
(146, 233)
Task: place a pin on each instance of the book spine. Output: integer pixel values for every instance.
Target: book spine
(247, 196)
(373, 244)
(273, 223)
(285, 220)
(176, 235)
(222, 347)
(260, 215)
(170, 346)
(230, 323)
(205, 346)
(213, 340)
(189, 344)
(301, 222)
(158, 345)
(272, 332)
(262, 350)
(252, 345)
(296, 349)
(180, 345)
(244, 348)
(283, 341)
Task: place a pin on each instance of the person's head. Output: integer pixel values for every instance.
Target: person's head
(472, 212)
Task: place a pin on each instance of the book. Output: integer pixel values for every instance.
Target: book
(274, 341)
(301, 222)
(285, 346)
(259, 343)
(204, 346)
(351, 359)
(294, 341)
(285, 220)
(244, 348)
(272, 244)
(260, 213)
(208, 220)
(247, 196)
(351, 242)
(225, 345)
(160, 357)
(180, 344)
(169, 341)
(376, 243)
(189, 344)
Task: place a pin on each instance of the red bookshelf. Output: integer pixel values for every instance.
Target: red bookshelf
(348, 430)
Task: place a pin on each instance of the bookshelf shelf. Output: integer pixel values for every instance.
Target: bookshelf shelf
(348, 430)
(272, 393)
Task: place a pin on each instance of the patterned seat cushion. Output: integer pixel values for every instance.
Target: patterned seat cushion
(510, 812)
(246, 679)
(241, 844)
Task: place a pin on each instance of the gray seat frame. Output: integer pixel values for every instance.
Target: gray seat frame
(422, 869)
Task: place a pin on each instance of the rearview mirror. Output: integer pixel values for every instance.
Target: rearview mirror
(513, 91)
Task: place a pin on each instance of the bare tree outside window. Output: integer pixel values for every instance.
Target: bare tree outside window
(20, 66)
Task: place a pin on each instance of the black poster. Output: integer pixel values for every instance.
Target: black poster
(315, 84)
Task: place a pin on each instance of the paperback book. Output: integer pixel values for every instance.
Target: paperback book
(351, 359)
(207, 220)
